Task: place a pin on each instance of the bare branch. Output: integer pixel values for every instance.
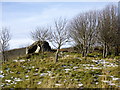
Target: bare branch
(41, 34)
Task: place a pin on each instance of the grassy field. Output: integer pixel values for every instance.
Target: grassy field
(71, 71)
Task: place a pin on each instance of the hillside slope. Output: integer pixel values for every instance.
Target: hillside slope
(14, 53)
(71, 71)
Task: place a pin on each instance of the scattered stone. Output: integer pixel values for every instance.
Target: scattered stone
(15, 60)
(14, 82)
(76, 79)
(111, 76)
(33, 66)
(7, 84)
(65, 80)
(28, 71)
(80, 84)
(8, 80)
(105, 63)
(49, 71)
(63, 65)
(2, 84)
(96, 68)
(18, 73)
(18, 79)
(92, 65)
(102, 75)
(52, 77)
(1, 72)
(36, 69)
(75, 67)
(28, 60)
(11, 72)
(111, 84)
(115, 78)
(67, 69)
(23, 66)
(43, 74)
(96, 82)
(87, 67)
(35, 74)
(26, 75)
(1, 76)
(39, 82)
(22, 60)
(58, 84)
(78, 58)
(105, 81)
(12, 77)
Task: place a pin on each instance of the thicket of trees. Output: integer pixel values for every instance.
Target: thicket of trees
(97, 27)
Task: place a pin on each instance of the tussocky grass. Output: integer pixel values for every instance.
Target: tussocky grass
(69, 72)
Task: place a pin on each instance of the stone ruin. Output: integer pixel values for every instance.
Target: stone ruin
(37, 47)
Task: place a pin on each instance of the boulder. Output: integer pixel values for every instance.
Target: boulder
(38, 46)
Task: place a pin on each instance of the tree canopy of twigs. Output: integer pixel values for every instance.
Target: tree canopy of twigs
(41, 34)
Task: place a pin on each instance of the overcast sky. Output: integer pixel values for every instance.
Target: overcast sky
(22, 17)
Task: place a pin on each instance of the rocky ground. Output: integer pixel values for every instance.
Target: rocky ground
(71, 71)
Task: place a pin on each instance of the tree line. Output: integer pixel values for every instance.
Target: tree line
(97, 28)
(86, 30)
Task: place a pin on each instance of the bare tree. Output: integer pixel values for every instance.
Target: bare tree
(108, 28)
(83, 30)
(4, 42)
(59, 35)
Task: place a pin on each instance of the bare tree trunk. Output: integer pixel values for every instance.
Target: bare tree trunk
(3, 57)
(108, 50)
(82, 53)
(106, 54)
(84, 49)
(42, 51)
(116, 50)
(56, 55)
(105, 50)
